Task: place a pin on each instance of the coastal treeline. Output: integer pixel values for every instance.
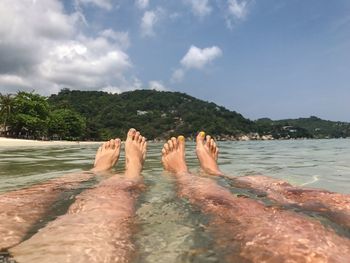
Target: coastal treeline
(29, 115)
(97, 115)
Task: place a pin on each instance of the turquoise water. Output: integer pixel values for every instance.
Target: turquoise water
(170, 230)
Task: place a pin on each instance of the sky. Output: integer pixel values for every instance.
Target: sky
(262, 58)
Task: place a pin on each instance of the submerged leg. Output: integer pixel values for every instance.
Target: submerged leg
(246, 229)
(98, 226)
(20, 210)
(335, 206)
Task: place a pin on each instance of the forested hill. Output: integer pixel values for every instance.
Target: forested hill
(158, 114)
(95, 115)
(313, 126)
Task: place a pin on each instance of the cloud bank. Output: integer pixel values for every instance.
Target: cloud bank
(47, 56)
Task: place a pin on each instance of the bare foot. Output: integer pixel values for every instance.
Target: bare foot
(135, 153)
(107, 155)
(207, 153)
(173, 155)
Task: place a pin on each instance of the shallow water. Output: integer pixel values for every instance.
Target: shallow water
(170, 230)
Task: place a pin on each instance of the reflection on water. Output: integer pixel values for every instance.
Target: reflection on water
(169, 229)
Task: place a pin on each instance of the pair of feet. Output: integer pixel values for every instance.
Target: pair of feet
(135, 153)
(173, 154)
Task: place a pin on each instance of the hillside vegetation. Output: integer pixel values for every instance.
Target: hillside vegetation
(157, 114)
(313, 127)
(96, 115)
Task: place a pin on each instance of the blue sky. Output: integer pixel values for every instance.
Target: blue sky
(262, 58)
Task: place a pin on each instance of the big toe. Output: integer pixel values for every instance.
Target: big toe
(131, 134)
(117, 143)
(181, 143)
(200, 137)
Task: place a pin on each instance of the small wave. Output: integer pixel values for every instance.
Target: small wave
(314, 179)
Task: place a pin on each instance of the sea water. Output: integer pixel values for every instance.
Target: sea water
(169, 228)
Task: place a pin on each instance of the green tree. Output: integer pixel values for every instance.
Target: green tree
(66, 124)
(30, 115)
(6, 107)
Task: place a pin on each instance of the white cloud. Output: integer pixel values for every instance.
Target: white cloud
(53, 55)
(111, 89)
(119, 38)
(196, 58)
(156, 85)
(13, 81)
(149, 19)
(105, 4)
(142, 4)
(200, 8)
(237, 10)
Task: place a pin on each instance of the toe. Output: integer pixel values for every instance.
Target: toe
(131, 133)
(112, 144)
(181, 142)
(163, 151)
(137, 136)
(208, 140)
(117, 143)
(211, 144)
(171, 145)
(200, 137)
(174, 141)
(105, 145)
(214, 146)
(216, 153)
(143, 141)
(166, 147)
(144, 150)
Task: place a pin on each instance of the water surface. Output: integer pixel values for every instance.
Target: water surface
(170, 230)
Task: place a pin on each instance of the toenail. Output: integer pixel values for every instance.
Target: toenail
(202, 134)
(181, 138)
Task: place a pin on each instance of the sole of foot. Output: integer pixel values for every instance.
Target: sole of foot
(107, 155)
(173, 155)
(207, 153)
(135, 152)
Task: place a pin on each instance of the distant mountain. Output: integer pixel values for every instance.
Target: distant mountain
(158, 114)
(161, 114)
(313, 127)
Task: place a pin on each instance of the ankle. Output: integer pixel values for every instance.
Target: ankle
(213, 171)
(182, 169)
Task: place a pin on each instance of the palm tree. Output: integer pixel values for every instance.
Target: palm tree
(6, 105)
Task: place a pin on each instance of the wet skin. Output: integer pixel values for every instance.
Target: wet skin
(246, 230)
(21, 209)
(334, 206)
(98, 225)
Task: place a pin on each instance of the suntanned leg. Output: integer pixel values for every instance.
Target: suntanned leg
(334, 206)
(247, 230)
(21, 209)
(99, 224)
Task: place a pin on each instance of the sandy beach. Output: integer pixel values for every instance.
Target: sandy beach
(11, 142)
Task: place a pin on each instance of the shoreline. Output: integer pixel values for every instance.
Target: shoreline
(12, 142)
